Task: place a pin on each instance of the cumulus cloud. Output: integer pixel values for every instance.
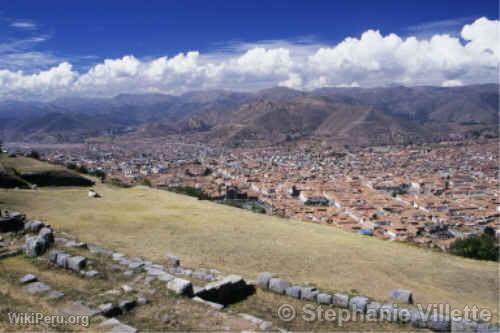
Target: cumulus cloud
(373, 59)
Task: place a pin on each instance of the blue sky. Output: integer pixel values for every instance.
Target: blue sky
(38, 35)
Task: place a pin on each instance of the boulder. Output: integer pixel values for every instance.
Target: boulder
(263, 279)
(278, 285)
(309, 293)
(341, 300)
(324, 298)
(47, 234)
(358, 303)
(180, 286)
(293, 291)
(12, 222)
(402, 295)
(28, 278)
(77, 263)
(172, 260)
(35, 246)
(228, 290)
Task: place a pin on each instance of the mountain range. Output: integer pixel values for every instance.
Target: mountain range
(354, 116)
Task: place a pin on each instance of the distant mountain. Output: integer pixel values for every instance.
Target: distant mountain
(346, 115)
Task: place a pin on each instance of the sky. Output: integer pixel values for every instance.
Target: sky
(50, 48)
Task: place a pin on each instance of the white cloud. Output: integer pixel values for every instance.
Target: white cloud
(452, 83)
(23, 24)
(373, 59)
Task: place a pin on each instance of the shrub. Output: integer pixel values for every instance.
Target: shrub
(483, 246)
(191, 191)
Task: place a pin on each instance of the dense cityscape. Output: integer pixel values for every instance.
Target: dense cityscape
(428, 194)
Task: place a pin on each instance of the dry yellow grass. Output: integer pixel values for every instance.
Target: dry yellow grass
(149, 223)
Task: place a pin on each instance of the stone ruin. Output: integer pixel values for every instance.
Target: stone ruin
(363, 304)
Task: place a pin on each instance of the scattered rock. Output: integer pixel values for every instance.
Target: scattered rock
(33, 226)
(117, 256)
(55, 294)
(76, 263)
(62, 260)
(75, 244)
(373, 308)
(254, 320)
(142, 300)
(28, 278)
(180, 286)
(293, 291)
(109, 310)
(358, 303)
(91, 273)
(172, 260)
(128, 273)
(53, 256)
(136, 265)
(463, 326)
(117, 326)
(202, 276)
(47, 234)
(214, 305)
(309, 293)
(165, 277)
(278, 285)
(78, 309)
(37, 288)
(390, 313)
(402, 295)
(127, 289)
(263, 279)
(127, 305)
(341, 300)
(265, 325)
(324, 298)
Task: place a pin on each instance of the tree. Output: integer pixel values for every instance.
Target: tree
(482, 246)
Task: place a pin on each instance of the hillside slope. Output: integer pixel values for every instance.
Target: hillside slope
(148, 222)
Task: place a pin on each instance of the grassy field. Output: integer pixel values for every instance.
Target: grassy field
(149, 223)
